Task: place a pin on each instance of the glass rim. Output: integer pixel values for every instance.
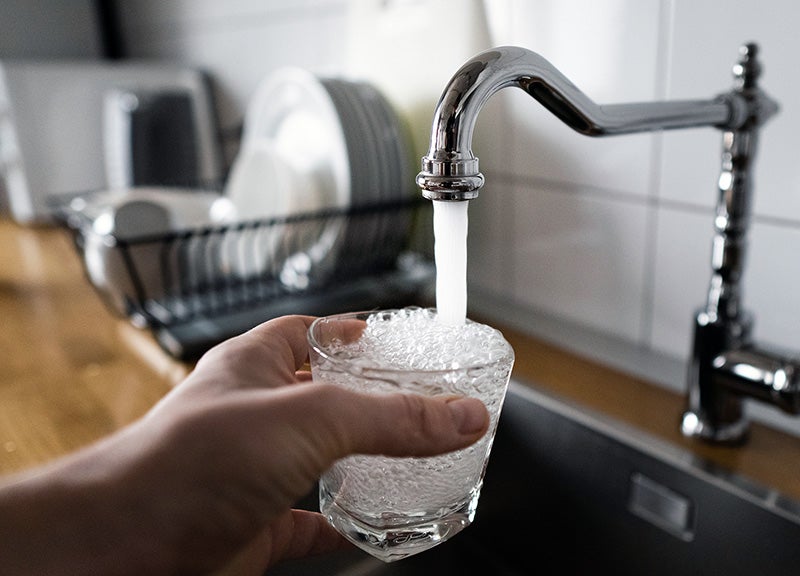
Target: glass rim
(371, 370)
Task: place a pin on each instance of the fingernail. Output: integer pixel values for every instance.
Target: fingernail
(469, 414)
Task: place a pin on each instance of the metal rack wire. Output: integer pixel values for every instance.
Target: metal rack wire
(197, 286)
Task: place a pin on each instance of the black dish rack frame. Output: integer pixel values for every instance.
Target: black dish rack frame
(196, 287)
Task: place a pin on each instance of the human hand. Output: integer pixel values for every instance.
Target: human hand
(206, 479)
(273, 432)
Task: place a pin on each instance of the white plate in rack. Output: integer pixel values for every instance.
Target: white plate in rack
(294, 113)
(378, 160)
(263, 185)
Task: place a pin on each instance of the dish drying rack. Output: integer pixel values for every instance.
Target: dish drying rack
(216, 281)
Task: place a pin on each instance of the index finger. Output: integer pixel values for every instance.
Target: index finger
(287, 335)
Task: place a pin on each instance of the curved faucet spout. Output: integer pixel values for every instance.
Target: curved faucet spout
(450, 169)
(725, 366)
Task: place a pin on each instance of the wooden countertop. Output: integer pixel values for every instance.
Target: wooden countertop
(72, 372)
(67, 375)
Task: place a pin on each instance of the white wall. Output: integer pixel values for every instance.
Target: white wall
(611, 234)
(42, 29)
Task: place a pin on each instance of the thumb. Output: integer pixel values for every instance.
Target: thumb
(392, 424)
(310, 426)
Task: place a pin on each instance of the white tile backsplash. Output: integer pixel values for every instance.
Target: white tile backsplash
(705, 43)
(772, 272)
(581, 256)
(681, 275)
(491, 244)
(612, 233)
(609, 50)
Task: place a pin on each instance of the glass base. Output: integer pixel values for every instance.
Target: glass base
(390, 540)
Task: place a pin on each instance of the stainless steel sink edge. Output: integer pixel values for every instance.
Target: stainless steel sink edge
(738, 485)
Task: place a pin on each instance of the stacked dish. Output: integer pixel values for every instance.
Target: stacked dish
(379, 165)
(343, 147)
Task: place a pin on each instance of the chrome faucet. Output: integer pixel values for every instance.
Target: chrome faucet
(725, 365)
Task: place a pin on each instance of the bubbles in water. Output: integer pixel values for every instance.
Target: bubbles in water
(413, 339)
(410, 349)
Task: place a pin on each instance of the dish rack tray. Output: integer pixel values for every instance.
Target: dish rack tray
(196, 287)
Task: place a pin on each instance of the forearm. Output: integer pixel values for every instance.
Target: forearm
(73, 517)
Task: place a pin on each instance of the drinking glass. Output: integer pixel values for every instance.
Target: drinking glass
(395, 507)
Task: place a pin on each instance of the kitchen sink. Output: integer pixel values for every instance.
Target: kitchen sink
(575, 492)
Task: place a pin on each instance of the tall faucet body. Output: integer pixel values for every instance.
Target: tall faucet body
(725, 365)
